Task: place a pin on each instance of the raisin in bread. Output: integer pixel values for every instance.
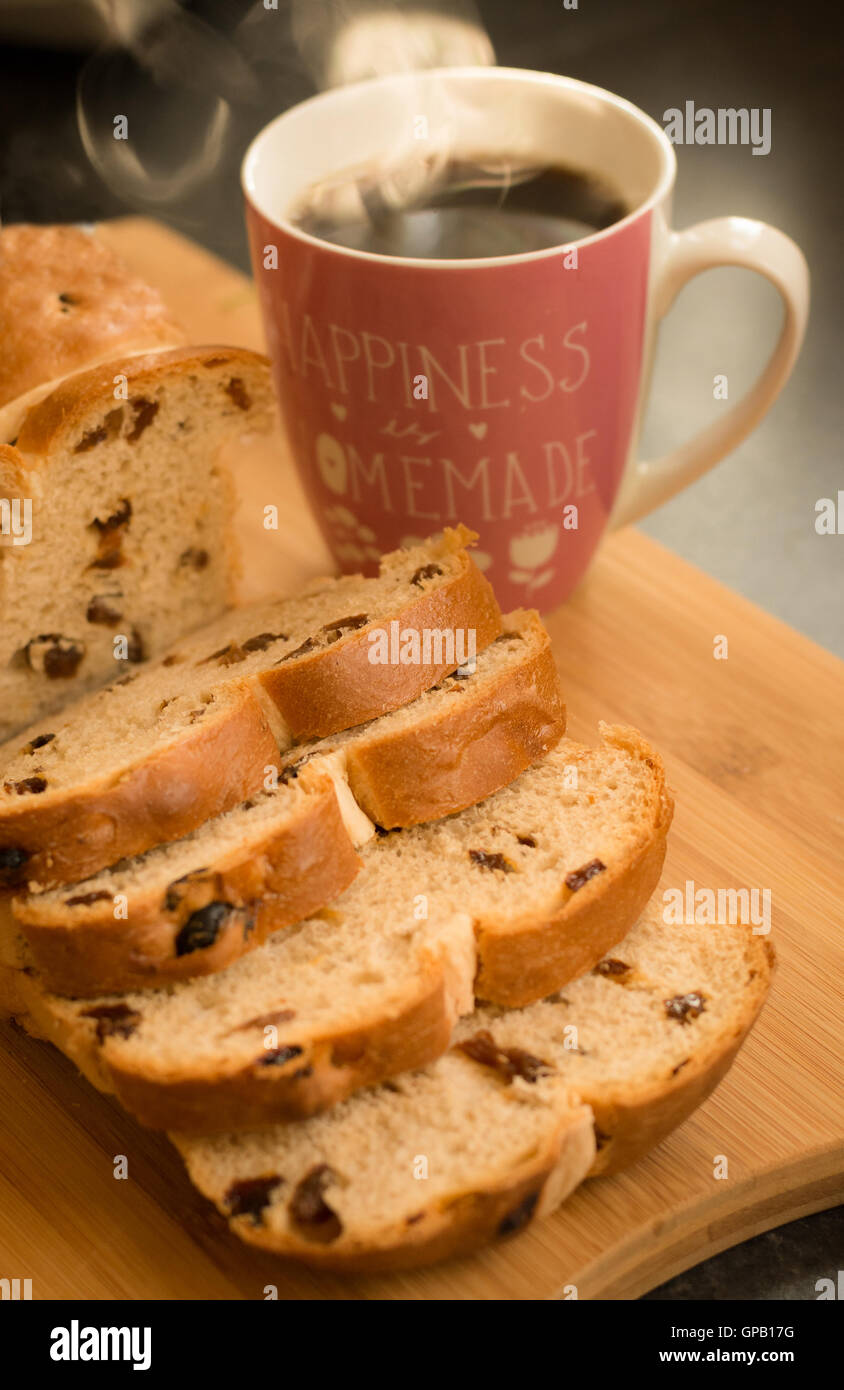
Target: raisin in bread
(272, 862)
(508, 900)
(495, 1133)
(189, 735)
(132, 510)
(67, 303)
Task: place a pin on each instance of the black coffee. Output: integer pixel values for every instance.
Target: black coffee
(470, 207)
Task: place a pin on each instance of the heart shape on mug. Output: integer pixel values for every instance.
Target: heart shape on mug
(479, 430)
(338, 411)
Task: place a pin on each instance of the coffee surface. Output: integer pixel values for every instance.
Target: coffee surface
(463, 208)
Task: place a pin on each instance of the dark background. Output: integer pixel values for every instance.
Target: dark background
(750, 522)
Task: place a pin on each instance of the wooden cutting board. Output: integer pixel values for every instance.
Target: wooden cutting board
(755, 751)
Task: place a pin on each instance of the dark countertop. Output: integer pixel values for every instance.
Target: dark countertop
(751, 521)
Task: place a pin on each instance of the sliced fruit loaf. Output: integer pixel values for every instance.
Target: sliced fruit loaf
(189, 735)
(496, 1133)
(131, 521)
(195, 905)
(509, 899)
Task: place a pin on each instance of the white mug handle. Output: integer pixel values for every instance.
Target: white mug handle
(751, 245)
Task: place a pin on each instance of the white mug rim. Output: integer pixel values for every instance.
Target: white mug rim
(665, 181)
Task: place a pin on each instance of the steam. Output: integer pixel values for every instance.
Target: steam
(346, 41)
(187, 91)
(352, 40)
(177, 82)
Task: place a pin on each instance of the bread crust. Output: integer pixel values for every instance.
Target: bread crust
(520, 962)
(630, 1125)
(66, 300)
(338, 686)
(11, 1003)
(415, 775)
(279, 879)
(461, 1224)
(212, 768)
(13, 478)
(64, 410)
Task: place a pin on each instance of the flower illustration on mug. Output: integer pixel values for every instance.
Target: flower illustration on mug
(351, 541)
(530, 552)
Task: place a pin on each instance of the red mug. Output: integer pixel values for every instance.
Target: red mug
(504, 392)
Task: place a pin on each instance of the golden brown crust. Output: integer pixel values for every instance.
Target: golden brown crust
(66, 408)
(66, 301)
(289, 874)
(11, 1001)
(520, 966)
(417, 774)
(212, 768)
(328, 1069)
(11, 1004)
(337, 687)
(470, 1222)
(519, 963)
(12, 472)
(630, 1125)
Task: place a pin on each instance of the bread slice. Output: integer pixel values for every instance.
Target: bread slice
(274, 861)
(190, 735)
(131, 519)
(495, 1134)
(422, 1168)
(506, 900)
(472, 733)
(194, 906)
